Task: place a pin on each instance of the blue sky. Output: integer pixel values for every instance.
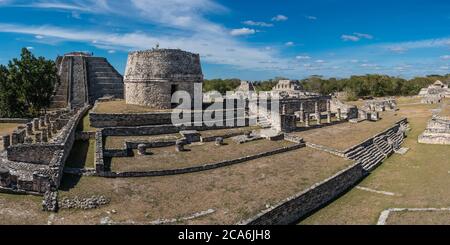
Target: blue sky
(251, 40)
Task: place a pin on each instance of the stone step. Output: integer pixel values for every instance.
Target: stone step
(101, 69)
(373, 164)
(105, 74)
(362, 152)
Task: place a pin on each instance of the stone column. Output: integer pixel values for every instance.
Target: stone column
(22, 134)
(36, 124)
(29, 129)
(6, 141)
(28, 140)
(47, 119)
(41, 121)
(142, 149)
(38, 137)
(328, 111)
(307, 120)
(14, 138)
(302, 113)
(318, 116)
(339, 114)
(44, 137)
(49, 132)
(54, 129)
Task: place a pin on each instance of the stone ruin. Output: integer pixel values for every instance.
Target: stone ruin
(434, 93)
(437, 131)
(84, 79)
(34, 156)
(380, 105)
(153, 76)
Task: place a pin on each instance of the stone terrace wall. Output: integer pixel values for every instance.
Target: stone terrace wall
(298, 206)
(15, 120)
(43, 153)
(101, 120)
(205, 167)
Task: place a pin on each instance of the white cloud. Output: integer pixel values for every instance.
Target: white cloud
(257, 23)
(242, 31)
(289, 44)
(363, 35)
(111, 51)
(39, 37)
(445, 57)
(280, 17)
(398, 49)
(30, 48)
(355, 37)
(350, 38)
(320, 61)
(303, 57)
(310, 17)
(218, 46)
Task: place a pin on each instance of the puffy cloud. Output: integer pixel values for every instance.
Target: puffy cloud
(350, 38)
(303, 57)
(257, 23)
(242, 31)
(355, 37)
(445, 57)
(289, 44)
(280, 17)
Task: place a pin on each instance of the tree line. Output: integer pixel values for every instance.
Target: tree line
(355, 87)
(26, 85)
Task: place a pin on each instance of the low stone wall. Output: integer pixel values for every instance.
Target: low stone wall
(102, 120)
(99, 160)
(369, 141)
(15, 120)
(299, 206)
(198, 168)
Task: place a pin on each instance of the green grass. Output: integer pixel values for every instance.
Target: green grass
(420, 179)
(82, 154)
(85, 125)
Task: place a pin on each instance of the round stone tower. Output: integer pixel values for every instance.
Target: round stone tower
(153, 76)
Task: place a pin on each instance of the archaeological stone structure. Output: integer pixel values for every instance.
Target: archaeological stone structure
(84, 79)
(33, 159)
(434, 93)
(437, 131)
(153, 76)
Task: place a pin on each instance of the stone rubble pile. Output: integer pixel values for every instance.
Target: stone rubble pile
(83, 203)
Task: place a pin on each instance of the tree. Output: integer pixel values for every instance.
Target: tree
(28, 85)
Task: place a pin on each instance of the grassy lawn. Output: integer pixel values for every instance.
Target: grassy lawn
(116, 142)
(342, 136)
(119, 106)
(235, 193)
(6, 128)
(85, 124)
(18, 209)
(419, 179)
(419, 218)
(82, 154)
(196, 155)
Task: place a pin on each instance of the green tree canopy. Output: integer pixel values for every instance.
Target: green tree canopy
(27, 85)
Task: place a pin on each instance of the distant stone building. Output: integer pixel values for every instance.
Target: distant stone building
(434, 93)
(153, 76)
(290, 89)
(84, 79)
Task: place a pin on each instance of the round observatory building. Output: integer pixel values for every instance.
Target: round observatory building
(153, 76)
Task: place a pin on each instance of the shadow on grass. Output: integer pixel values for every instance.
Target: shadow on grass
(69, 182)
(81, 155)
